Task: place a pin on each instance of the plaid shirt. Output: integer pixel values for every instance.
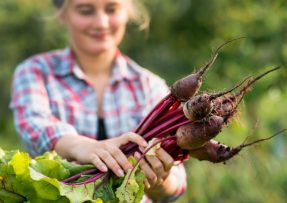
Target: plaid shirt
(53, 98)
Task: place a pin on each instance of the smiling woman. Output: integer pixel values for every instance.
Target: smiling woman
(85, 100)
(95, 27)
(136, 12)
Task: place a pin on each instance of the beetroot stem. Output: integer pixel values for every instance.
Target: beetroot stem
(159, 105)
(216, 95)
(89, 180)
(155, 113)
(167, 116)
(214, 56)
(244, 89)
(163, 132)
(78, 175)
(159, 128)
(159, 132)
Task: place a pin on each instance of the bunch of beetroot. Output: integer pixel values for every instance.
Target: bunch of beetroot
(184, 124)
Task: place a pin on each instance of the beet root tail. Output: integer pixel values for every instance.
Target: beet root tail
(214, 56)
(216, 152)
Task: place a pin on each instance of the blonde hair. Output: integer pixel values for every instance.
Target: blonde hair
(137, 12)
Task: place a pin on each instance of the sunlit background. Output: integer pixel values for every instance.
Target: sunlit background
(181, 38)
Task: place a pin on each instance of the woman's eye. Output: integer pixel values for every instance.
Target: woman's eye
(111, 9)
(86, 11)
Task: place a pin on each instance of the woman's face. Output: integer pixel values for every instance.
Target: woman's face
(95, 26)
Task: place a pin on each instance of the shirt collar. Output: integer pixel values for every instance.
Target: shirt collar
(64, 64)
(123, 68)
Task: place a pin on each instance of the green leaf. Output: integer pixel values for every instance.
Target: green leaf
(50, 168)
(76, 194)
(126, 192)
(140, 180)
(7, 156)
(20, 163)
(38, 181)
(2, 154)
(106, 191)
(132, 187)
(46, 188)
(7, 196)
(75, 168)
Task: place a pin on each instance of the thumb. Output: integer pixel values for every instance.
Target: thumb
(131, 137)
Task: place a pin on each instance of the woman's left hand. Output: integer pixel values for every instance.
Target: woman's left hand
(156, 167)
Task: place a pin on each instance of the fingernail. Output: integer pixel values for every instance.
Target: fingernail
(104, 168)
(137, 155)
(147, 185)
(155, 179)
(120, 172)
(144, 144)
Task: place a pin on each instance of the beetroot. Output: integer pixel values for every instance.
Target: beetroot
(187, 87)
(216, 152)
(196, 134)
(227, 106)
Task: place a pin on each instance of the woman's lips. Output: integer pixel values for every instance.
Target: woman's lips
(99, 36)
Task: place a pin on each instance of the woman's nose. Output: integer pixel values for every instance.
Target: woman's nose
(101, 20)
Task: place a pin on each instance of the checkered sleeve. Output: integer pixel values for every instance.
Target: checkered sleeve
(37, 127)
(179, 172)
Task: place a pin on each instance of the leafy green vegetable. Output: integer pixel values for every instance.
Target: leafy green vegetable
(38, 180)
(132, 187)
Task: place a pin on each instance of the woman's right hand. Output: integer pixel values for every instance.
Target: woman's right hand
(105, 154)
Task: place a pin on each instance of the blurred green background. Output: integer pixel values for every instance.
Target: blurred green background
(182, 35)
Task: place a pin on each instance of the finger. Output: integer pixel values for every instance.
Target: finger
(97, 162)
(165, 158)
(146, 183)
(157, 166)
(120, 158)
(131, 137)
(147, 170)
(111, 163)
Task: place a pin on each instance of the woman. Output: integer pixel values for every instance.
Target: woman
(83, 101)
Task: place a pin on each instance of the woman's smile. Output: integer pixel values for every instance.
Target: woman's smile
(95, 26)
(99, 36)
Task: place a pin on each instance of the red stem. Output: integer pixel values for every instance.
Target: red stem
(158, 132)
(167, 116)
(168, 129)
(158, 106)
(78, 175)
(155, 113)
(89, 180)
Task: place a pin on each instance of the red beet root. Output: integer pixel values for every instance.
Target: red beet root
(200, 106)
(216, 152)
(196, 134)
(187, 87)
(227, 106)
